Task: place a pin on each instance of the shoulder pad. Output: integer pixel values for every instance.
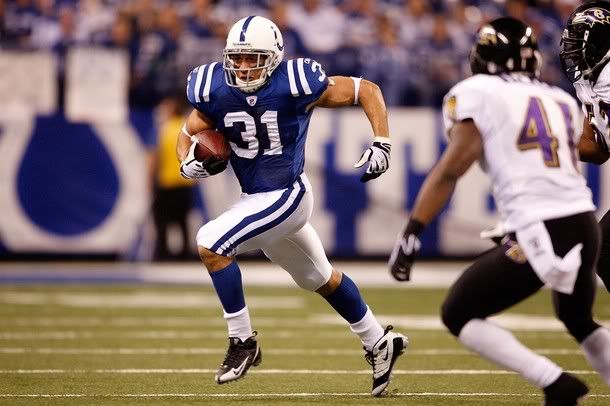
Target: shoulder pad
(602, 86)
(199, 83)
(476, 83)
(306, 78)
(467, 97)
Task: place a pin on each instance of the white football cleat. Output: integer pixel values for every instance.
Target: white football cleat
(382, 357)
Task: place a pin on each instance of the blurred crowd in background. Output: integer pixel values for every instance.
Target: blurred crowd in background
(414, 49)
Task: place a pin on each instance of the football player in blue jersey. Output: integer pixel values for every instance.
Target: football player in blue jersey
(263, 105)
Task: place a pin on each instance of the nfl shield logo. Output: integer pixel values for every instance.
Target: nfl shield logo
(251, 100)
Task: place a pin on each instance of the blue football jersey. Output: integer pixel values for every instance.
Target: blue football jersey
(267, 128)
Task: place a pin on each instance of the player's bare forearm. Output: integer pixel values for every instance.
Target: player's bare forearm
(342, 92)
(371, 100)
(588, 149)
(194, 123)
(433, 195)
(465, 148)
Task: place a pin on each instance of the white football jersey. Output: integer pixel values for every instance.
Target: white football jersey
(530, 131)
(596, 104)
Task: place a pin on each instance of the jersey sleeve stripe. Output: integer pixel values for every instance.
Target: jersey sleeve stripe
(189, 85)
(302, 77)
(291, 79)
(208, 82)
(197, 89)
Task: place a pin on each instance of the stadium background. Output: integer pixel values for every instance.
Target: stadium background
(87, 87)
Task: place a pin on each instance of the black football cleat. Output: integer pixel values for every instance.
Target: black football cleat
(567, 390)
(382, 357)
(240, 357)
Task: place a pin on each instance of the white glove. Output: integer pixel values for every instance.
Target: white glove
(378, 157)
(190, 168)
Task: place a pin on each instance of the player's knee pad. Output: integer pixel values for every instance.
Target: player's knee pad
(201, 239)
(311, 280)
(454, 317)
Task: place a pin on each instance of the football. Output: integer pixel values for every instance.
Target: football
(211, 144)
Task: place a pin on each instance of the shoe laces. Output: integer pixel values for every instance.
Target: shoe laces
(236, 349)
(369, 356)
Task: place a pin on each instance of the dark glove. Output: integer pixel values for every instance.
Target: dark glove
(405, 251)
(215, 166)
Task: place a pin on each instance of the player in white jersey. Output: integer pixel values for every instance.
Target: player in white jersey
(523, 134)
(263, 105)
(585, 57)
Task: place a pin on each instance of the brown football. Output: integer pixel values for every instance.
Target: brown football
(212, 144)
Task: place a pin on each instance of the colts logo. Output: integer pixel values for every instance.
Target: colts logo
(279, 46)
(251, 100)
(592, 16)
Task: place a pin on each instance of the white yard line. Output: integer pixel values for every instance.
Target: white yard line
(254, 273)
(122, 321)
(276, 395)
(409, 322)
(263, 273)
(155, 335)
(143, 298)
(272, 351)
(273, 371)
(58, 335)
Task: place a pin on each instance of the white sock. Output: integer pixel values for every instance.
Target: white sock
(239, 324)
(597, 350)
(368, 329)
(502, 348)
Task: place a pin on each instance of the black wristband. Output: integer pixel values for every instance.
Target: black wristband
(414, 227)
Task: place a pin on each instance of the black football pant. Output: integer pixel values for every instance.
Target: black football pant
(495, 282)
(603, 265)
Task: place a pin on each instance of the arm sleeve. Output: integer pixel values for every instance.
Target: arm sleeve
(307, 81)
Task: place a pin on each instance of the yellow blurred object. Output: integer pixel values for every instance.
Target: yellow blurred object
(168, 166)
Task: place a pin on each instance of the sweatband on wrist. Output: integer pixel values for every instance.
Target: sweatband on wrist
(356, 88)
(184, 130)
(414, 227)
(386, 140)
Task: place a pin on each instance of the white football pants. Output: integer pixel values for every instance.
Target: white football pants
(278, 223)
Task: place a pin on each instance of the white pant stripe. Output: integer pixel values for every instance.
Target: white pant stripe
(259, 223)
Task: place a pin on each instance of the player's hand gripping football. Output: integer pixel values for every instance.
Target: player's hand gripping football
(378, 157)
(405, 251)
(194, 169)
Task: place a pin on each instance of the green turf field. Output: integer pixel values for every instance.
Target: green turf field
(152, 344)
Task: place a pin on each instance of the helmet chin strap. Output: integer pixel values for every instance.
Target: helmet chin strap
(251, 86)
